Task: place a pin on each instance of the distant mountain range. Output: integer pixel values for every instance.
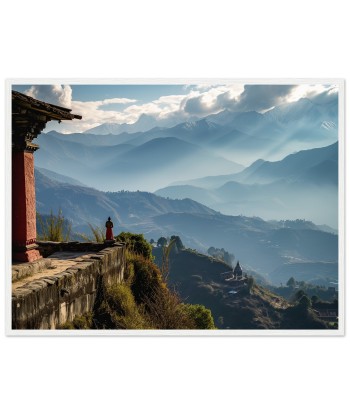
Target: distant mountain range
(292, 157)
(83, 205)
(144, 123)
(259, 245)
(284, 189)
(151, 154)
(58, 177)
(125, 166)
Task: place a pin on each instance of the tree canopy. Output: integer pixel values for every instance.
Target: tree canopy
(162, 241)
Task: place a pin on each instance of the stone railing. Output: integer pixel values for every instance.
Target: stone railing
(50, 301)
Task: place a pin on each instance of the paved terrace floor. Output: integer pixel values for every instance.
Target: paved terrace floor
(60, 261)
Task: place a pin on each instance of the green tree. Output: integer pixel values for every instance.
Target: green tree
(291, 283)
(221, 254)
(298, 295)
(162, 241)
(305, 302)
(178, 243)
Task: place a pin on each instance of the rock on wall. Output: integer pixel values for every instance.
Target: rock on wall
(50, 301)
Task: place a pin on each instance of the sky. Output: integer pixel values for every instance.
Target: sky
(100, 104)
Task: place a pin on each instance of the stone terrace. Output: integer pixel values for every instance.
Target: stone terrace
(52, 291)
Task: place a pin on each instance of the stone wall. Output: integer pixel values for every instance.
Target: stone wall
(51, 301)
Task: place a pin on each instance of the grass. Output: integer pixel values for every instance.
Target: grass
(54, 227)
(97, 234)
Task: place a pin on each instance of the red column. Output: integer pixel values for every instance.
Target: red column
(23, 207)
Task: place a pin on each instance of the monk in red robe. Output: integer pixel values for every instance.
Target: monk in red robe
(109, 231)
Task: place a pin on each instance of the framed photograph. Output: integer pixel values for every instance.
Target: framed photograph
(175, 207)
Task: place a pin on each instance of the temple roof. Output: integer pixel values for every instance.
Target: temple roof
(238, 270)
(29, 118)
(52, 112)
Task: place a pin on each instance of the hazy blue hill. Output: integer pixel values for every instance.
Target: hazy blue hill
(163, 159)
(161, 151)
(144, 205)
(278, 200)
(293, 165)
(187, 191)
(58, 177)
(158, 161)
(84, 204)
(81, 205)
(323, 174)
(264, 246)
(312, 272)
(236, 137)
(212, 182)
(254, 241)
(89, 139)
(302, 224)
(83, 162)
(306, 164)
(286, 189)
(238, 140)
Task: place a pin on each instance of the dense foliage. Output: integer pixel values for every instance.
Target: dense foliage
(221, 254)
(136, 243)
(143, 300)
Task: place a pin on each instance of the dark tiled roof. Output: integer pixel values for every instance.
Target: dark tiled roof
(53, 112)
(29, 118)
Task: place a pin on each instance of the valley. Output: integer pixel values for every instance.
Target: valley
(260, 185)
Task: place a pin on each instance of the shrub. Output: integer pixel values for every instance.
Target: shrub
(83, 322)
(146, 277)
(166, 312)
(200, 315)
(136, 243)
(123, 310)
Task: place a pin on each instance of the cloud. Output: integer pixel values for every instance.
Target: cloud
(237, 97)
(115, 101)
(318, 93)
(258, 98)
(53, 94)
(195, 102)
(211, 99)
(261, 97)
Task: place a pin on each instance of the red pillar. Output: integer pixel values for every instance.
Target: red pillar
(23, 207)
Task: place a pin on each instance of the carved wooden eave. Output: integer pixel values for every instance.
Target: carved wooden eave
(29, 118)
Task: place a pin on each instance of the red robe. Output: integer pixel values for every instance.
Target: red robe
(109, 231)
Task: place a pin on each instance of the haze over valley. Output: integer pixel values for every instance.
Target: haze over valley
(251, 169)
